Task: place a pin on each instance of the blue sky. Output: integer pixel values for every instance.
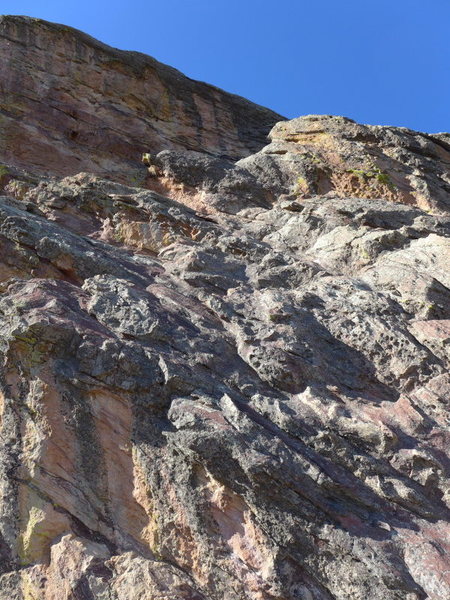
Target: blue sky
(383, 62)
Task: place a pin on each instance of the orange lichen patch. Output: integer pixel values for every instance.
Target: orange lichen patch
(311, 138)
(356, 184)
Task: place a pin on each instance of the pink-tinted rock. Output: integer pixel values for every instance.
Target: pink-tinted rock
(70, 103)
(226, 386)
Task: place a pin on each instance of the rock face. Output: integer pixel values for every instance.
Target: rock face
(70, 103)
(231, 382)
(321, 154)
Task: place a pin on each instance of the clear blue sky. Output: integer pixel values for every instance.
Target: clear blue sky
(385, 62)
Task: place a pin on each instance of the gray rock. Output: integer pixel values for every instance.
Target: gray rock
(235, 384)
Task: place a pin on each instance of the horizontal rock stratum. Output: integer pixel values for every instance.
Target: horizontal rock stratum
(70, 103)
(229, 382)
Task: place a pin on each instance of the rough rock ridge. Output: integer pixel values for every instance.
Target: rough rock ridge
(230, 382)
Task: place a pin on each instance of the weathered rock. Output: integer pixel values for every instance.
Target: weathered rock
(315, 155)
(320, 154)
(70, 103)
(250, 404)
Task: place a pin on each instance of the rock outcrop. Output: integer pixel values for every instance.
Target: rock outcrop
(230, 382)
(69, 103)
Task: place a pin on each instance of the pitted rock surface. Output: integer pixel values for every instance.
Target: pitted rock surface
(230, 382)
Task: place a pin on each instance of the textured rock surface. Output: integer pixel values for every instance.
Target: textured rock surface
(69, 103)
(233, 385)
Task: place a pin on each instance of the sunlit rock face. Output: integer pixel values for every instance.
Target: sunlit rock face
(231, 381)
(70, 103)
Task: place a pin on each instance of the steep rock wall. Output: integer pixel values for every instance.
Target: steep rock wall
(69, 103)
(232, 386)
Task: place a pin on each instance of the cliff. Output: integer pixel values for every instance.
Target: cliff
(70, 103)
(229, 382)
